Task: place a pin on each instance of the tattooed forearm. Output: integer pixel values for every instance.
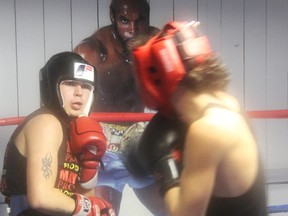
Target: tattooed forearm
(46, 166)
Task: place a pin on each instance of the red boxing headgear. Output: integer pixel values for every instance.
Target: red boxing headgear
(160, 63)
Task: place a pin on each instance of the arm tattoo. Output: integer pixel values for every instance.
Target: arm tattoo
(46, 166)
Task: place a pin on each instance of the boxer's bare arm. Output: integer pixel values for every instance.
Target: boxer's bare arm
(201, 157)
(42, 139)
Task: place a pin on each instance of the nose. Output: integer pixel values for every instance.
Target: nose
(132, 28)
(78, 90)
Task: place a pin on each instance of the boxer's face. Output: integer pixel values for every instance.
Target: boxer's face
(75, 96)
(130, 20)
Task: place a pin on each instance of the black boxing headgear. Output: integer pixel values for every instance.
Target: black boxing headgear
(60, 67)
(163, 61)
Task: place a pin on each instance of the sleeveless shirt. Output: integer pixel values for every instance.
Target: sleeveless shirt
(13, 181)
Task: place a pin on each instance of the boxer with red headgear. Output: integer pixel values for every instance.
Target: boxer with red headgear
(183, 79)
(162, 62)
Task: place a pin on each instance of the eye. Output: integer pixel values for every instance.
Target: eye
(123, 20)
(70, 83)
(74, 83)
(87, 86)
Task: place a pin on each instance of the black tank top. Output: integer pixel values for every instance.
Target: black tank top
(13, 181)
(251, 203)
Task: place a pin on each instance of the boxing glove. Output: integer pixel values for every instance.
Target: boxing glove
(158, 152)
(91, 206)
(89, 144)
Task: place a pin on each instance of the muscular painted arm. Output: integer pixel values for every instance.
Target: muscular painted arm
(42, 139)
(92, 50)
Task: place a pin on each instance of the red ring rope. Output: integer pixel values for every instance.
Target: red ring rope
(136, 117)
(121, 117)
(268, 114)
(101, 117)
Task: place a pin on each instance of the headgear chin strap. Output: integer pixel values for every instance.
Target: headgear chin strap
(162, 62)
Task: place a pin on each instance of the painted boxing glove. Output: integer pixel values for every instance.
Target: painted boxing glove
(89, 144)
(128, 144)
(91, 206)
(158, 152)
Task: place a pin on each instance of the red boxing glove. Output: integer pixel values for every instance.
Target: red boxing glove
(92, 206)
(89, 143)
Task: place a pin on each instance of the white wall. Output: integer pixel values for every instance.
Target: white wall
(252, 37)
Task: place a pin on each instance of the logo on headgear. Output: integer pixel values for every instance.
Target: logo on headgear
(83, 71)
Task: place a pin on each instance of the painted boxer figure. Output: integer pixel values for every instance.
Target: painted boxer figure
(52, 157)
(108, 50)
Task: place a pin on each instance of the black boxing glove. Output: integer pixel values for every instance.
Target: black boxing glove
(158, 152)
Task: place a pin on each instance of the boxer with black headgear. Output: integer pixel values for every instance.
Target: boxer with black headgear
(66, 68)
(198, 143)
(108, 50)
(49, 165)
